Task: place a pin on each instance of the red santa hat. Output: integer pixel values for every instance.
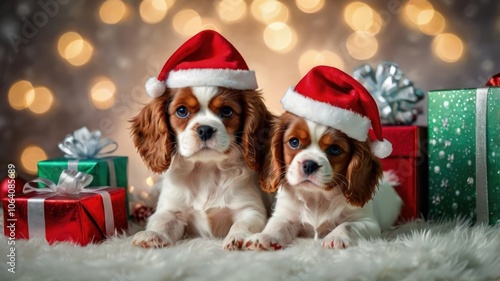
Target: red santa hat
(331, 97)
(207, 59)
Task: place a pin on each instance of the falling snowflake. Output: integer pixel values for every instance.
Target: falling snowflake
(444, 183)
(445, 122)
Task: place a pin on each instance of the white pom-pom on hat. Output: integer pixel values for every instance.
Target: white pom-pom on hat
(381, 149)
(155, 87)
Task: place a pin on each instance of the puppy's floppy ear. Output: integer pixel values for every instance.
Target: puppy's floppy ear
(151, 134)
(363, 174)
(256, 129)
(274, 172)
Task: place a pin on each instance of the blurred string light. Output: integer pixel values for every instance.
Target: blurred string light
(280, 37)
(112, 11)
(154, 11)
(150, 181)
(361, 45)
(131, 189)
(102, 93)
(435, 25)
(361, 17)
(39, 100)
(30, 156)
(76, 50)
(187, 22)
(268, 11)
(448, 47)
(17, 94)
(311, 58)
(231, 11)
(417, 12)
(310, 6)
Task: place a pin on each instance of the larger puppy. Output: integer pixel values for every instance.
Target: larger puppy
(207, 130)
(324, 167)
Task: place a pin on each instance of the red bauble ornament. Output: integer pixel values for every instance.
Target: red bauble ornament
(141, 213)
(17, 182)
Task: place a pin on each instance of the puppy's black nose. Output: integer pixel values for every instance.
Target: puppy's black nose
(205, 132)
(309, 167)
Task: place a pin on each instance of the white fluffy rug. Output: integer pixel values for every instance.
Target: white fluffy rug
(414, 251)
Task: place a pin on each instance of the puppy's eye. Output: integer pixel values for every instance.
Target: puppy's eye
(182, 112)
(294, 143)
(334, 150)
(226, 112)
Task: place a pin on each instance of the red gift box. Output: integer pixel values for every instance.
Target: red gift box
(80, 218)
(409, 161)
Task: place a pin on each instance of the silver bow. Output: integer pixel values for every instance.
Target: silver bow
(83, 144)
(70, 182)
(395, 95)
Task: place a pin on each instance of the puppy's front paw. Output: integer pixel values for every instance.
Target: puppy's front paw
(151, 239)
(233, 241)
(262, 242)
(339, 238)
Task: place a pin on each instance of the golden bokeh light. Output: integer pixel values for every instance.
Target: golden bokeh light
(280, 37)
(312, 58)
(361, 45)
(39, 100)
(361, 17)
(435, 26)
(153, 11)
(67, 39)
(187, 22)
(418, 12)
(30, 157)
(131, 189)
(150, 181)
(102, 93)
(17, 94)
(230, 11)
(268, 11)
(448, 47)
(112, 11)
(76, 50)
(144, 194)
(310, 6)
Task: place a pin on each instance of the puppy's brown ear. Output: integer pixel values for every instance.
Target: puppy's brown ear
(363, 174)
(151, 134)
(274, 172)
(256, 130)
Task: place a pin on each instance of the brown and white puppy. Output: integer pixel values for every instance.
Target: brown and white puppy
(325, 169)
(326, 182)
(210, 144)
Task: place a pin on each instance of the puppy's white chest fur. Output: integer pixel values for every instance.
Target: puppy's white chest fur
(208, 193)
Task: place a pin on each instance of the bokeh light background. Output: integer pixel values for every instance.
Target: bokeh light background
(71, 63)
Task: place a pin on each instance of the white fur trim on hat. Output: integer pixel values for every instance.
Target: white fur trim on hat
(351, 123)
(381, 149)
(154, 87)
(228, 78)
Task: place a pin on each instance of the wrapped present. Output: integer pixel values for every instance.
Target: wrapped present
(397, 99)
(86, 152)
(409, 161)
(464, 154)
(83, 151)
(67, 211)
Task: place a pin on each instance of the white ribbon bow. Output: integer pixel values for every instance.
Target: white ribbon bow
(83, 144)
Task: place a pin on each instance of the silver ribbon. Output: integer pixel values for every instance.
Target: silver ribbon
(83, 144)
(482, 211)
(395, 95)
(70, 182)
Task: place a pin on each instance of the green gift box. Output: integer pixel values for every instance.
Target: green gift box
(107, 171)
(464, 154)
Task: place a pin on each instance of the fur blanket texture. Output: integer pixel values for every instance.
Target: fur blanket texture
(417, 250)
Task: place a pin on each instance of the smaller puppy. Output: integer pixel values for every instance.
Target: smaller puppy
(324, 167)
